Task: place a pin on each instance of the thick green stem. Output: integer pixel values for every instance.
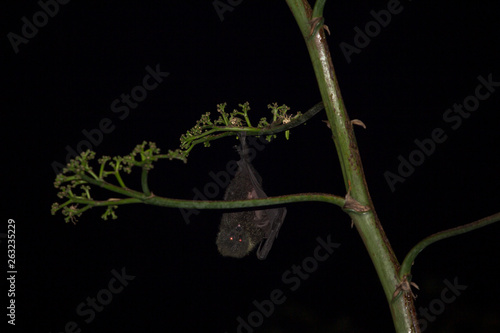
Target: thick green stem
(367, 224)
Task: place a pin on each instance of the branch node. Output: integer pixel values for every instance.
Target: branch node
(353, 204)
(316, 23)
(405, 287)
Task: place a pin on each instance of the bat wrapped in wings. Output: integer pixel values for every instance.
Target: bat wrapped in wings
(240, 232)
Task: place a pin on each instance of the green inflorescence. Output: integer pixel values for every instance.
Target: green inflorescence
(226, 124)
(75, 181)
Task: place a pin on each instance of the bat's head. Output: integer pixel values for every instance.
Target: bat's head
(234, 242)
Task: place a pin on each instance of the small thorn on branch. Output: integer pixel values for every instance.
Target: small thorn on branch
(405, 287)
(315, 25)
(353, 204)
(358, 122)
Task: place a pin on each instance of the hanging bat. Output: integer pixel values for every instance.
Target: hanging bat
(240, 232)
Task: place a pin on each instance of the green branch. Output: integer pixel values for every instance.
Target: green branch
(410, 257)
(144, 182)
(319, 6)
(72, 212)
(75, 180)
(207, 130)
(270, 201)
(210, 204)
(376, 242)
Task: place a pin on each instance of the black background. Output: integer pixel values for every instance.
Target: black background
(66, 77)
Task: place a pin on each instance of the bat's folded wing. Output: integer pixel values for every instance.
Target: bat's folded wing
(276, 217)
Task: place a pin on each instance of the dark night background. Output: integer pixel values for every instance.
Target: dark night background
(64, 80)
